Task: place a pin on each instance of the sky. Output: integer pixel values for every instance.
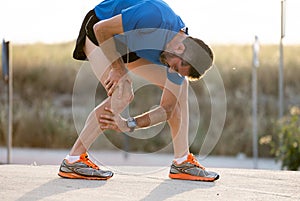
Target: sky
(214, 21)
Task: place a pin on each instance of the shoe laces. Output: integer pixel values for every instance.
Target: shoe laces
(85, 159)
(192, 159)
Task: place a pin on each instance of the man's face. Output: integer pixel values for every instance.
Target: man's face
(175, 63)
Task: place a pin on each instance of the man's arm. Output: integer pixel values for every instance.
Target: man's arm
(104, 32)
(150, 118)
(164, 111)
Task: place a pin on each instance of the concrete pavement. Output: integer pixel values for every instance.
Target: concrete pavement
(140, 176)
(27, 182)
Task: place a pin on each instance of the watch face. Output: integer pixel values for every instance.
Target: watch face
(131, 123)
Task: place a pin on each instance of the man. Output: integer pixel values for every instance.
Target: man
(135, 32)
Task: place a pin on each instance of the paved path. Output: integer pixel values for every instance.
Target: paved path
(25, 182)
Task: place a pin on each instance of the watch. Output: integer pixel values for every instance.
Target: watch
(131, 123)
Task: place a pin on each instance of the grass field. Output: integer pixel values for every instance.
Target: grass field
(44, 77)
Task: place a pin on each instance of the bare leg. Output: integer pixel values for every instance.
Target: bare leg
(179, 121)
(92, 130)
(179, 124)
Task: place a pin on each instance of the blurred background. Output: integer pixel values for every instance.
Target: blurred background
(42, 36)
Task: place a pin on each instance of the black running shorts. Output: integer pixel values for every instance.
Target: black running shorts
(87, 30)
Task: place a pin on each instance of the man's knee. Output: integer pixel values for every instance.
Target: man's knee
(127, 94)
(119, 103)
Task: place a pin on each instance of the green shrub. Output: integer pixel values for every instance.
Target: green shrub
(287, 146)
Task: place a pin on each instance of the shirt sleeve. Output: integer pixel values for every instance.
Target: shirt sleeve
(175, 77)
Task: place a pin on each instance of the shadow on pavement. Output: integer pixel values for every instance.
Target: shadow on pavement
(170, 188)
(59, 186)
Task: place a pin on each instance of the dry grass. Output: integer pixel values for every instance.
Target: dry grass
(42, 73)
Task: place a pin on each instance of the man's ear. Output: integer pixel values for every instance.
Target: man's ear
(179, 49)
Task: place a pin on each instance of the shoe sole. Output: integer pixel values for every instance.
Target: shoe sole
(191, 177)
(77, 176)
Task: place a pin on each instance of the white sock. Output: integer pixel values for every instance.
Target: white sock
(180, 160)
(72, 159)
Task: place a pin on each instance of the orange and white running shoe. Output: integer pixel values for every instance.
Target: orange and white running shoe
(84, 168)
(191, 169)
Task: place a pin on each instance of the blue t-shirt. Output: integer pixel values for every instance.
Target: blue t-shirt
(148, 26)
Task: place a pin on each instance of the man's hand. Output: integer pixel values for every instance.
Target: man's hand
(111, 121)
(115, 78)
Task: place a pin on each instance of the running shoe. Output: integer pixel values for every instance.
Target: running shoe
(191, 169)
(84, 168)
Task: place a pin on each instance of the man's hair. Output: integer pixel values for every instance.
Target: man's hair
(198, 55)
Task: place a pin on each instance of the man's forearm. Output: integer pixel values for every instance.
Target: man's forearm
(151, 118)
(164, 111)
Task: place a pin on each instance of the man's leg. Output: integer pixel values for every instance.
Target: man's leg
(92, 130)
(185, 165)
(77, 165)
(179, 124)
(179, 121)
